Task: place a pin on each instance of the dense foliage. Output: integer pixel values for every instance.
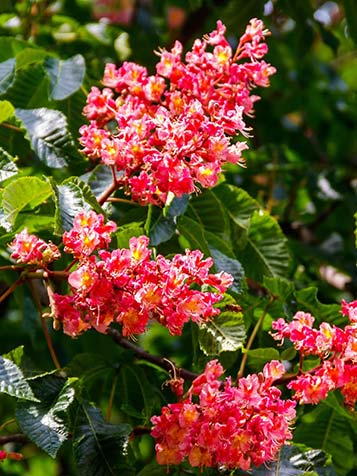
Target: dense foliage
(157, 234)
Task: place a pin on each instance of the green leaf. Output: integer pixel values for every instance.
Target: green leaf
(15, 355)
(193, 234)
(153, 469)
(323, 428)
(224, 333)
(177, 206)
(257, 358)
(278, 287)
(66, 76)
(72, 197)
(48, 134)
(45, 423)
(125, 232)
(237, 202)
(7, 165)
(29, 56)
(29, 88)
(266, 251)
(7, 74)
(308, 302)
(99, 447)
(207, 210)
(7, 110)
(296, 460)
(23, 192)
(13, 382)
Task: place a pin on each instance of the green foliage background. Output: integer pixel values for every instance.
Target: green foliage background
(284, 226)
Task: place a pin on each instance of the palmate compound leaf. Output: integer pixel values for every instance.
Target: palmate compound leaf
(224, 333)
(46, 422)
(49, 136)
(99, 447)
(296, 461)
(12, 381)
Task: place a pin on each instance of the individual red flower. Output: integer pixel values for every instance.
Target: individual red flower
(29, 249)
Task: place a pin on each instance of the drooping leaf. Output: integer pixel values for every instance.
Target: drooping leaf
(72, 196)
(7, 110)
(23, 192)
(7, 165)
(7, 74)
(48, 134)
(296, 461)
(46, 422)
(266, 252)
(224, 333)
(99, 447)
(66, 76)
(12, 381)
(308, 302)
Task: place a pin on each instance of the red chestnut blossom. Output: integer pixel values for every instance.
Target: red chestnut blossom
(32, 250)
(234, 427)
(336, 348)
(128, 287)
(88, 234)
(173, 131)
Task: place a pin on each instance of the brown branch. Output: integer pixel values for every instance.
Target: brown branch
(154, 359)
(106, 194)
(16, 438)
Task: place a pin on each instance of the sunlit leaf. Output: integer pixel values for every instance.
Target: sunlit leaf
(66, 76)
(13, 382)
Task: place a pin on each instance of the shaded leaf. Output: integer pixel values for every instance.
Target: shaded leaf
(23, 192)
(225, 333)
(125, 232)
(351, 18)
(66, 76)
(207, 210)
(99, 447)
(278, 287)
(193, 234)
(177, 206)
(7, 165)
(99, 179)
(45, 423)
(266, 251)
(12, 381)
(29, 88)
(162, 230)
(48, 134)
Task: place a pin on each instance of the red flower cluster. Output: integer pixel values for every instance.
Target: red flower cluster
(171, 131)
(337, 349)
(126, 286)
(233, 427)
(28, 249)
